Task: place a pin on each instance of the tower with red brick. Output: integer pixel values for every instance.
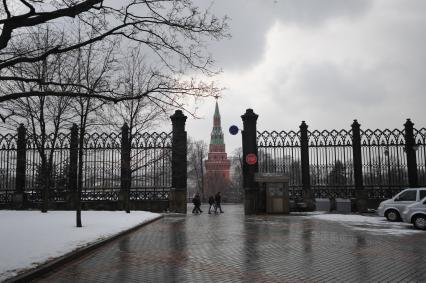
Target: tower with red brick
(217, 165)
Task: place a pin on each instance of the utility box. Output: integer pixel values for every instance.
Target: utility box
(322, 204)
(276, 189)
(343, 205)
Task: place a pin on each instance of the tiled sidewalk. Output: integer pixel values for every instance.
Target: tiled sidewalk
(231, 247)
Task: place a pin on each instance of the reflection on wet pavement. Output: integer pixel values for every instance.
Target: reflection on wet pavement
(231, 247)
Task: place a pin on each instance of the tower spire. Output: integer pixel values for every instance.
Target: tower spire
(216, 136)
(217, 177)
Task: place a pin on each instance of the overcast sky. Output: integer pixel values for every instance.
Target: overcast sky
(323, 61)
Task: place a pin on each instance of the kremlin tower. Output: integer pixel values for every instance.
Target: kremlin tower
(216, 178)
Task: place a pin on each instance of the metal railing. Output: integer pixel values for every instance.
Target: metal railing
(390, 160)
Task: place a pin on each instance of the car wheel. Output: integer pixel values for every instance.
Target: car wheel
(392, 215)
(420, 222)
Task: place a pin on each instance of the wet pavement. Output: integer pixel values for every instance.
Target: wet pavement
(231, 247)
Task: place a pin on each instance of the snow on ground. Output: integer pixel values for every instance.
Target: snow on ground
(371, 224)
(29, 238)
(302, 213)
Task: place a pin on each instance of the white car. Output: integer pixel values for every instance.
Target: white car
(416, 213)
(392, 208)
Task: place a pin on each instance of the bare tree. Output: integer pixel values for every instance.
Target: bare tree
(172, 32)
(236, 186)
(95, 66)
(43, 116)
(140, 115)
(135, 78)
(197, 153)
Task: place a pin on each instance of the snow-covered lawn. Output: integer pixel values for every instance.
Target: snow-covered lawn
(29, 238)
(371, 224)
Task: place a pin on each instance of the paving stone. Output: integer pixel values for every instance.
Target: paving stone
(232, 247)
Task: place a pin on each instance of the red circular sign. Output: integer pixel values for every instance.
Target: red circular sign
(251, 158)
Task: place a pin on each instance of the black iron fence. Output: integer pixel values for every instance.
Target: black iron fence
(141, 165)
(381, 162)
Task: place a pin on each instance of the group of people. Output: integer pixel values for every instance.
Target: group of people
(214, 203)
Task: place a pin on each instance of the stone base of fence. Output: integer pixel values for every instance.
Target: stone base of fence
(250, 201)
(19, 200)
(177, 201)
(151, 205)
(361, 201)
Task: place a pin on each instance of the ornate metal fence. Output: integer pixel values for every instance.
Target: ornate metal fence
(420, 141)
(279, 152)
(384, 162)
(331, 160)
(56, 148)
(7, 166)
(151, 169)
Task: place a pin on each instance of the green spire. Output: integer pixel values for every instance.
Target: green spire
(216, 136)
(216, 110)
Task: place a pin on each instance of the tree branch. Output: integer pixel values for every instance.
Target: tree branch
(32, 18)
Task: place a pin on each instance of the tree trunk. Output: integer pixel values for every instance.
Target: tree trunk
(80, 178)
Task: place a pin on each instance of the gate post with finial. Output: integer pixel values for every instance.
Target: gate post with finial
(410, 150)
(21, 163)
(251, 188)
(125, 168)
(304, 159)
(177, 198)
(360, 193)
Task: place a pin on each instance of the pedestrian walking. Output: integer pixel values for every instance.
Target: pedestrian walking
(212, 204)
(197, 203)
(217, 200)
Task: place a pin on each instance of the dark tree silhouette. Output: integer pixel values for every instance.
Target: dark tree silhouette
(197, 153)
(172, 32)
(337, 175)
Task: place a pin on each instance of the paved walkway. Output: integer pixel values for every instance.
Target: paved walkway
(230, 247)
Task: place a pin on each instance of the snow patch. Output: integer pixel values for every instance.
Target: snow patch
(30, 238)
(302, 213)
(371, 224)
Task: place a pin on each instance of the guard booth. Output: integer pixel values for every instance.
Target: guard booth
(275, 187)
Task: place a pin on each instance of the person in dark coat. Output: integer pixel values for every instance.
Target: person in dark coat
(217, 200)
(197, 203)
(211, 203)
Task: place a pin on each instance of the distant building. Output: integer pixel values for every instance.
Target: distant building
(217, 177)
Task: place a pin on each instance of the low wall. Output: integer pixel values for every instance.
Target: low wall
(153, 206)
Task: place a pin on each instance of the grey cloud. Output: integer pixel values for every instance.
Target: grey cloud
(379, 80)
(251, 20)
(327, 84)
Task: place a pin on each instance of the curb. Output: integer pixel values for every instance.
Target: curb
(55, 263)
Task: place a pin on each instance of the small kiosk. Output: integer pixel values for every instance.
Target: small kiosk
(275, 186)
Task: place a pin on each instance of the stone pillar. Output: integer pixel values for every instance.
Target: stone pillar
(410, 143)
(177, 198)
(251, 188)
(21, 164)
(308, 196)
(360, 193)
(125, 168)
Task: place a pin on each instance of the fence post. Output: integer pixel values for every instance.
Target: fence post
(304, 158)
(73, 198)
(410, 150)
(125, 168)
(21, 164)
(251, 188)
(177, 198)
(360, 193)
